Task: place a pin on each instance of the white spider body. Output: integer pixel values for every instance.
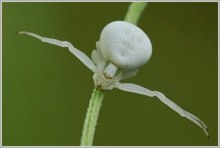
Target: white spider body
(122, 49)
(125, 45)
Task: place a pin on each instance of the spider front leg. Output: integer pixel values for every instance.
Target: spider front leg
(144, 91)
(80, 55)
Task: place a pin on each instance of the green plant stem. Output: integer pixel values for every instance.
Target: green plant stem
(134, 12)
(132, 16)
(92, 117)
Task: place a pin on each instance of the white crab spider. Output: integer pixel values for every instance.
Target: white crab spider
(122, 49)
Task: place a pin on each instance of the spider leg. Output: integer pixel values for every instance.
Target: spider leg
(80, 55)
(144, 91)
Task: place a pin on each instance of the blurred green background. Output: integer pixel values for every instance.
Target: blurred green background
(46, 90)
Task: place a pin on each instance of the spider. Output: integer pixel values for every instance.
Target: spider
(122, 49)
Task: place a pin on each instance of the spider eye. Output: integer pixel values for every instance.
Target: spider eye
(110, 70)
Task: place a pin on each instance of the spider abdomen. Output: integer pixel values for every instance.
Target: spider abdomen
(125, 45)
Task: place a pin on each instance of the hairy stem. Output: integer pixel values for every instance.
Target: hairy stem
(132, 16)
(134, 12)
(92, 117)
